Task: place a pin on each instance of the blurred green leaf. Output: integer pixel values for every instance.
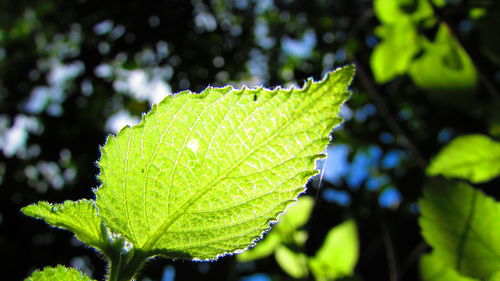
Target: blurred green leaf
(473, 157)
(296, 216)
(495, 276)
(58, 273)
(439, 3)
(463, 227)
(293, 263)
(393, 55)
(264, 248)
(444, 65)
(393, 11)
(285, 231)
(339, 253)
(433, 269)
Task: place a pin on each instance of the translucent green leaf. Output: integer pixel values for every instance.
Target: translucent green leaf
(433, 269)
(293, 263)
(463, 227)
(393, 55)
(58, 273)
(393, 11)
(203, 175)
(494, 277)
(473, 157)
(444, 66)
(338, 255)
(80, 217)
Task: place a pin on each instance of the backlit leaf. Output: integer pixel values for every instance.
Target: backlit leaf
(338, 255)
(80, 217)
(463, 227)
(58, 273)
(433, 269)
(444, 66)
(393, 55)
(473, 157)
(293, 263)
(393, 11)
(203, 175)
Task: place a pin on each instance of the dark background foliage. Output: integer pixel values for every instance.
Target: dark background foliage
(69, 67)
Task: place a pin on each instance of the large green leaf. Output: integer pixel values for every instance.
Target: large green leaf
(203, 175)
(338, 255)
(463, 227)
(433, 269)
(80, 217)
(473, 157)
(58, 273)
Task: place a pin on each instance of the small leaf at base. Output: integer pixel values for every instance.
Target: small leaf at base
(58, 273)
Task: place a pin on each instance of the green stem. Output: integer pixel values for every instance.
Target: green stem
(115, 265)
(124, 267)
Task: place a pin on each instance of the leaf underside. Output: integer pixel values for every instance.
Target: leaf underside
(80, 217)
(204, 174)
(473, 157)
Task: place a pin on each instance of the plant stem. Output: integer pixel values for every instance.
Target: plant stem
(124, 267)
(115, 267)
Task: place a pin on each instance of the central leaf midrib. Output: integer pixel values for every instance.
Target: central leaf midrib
(169, 221)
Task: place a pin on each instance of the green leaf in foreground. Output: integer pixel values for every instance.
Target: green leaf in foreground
(473, 157)
(463, 227)
(58, 273)
(204, 174)
(80, 217)
(338, 255)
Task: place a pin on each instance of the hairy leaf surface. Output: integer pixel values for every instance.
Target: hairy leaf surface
(463, 227)
(474, 157)
(58, 273)
(80, 217)
(204, 174)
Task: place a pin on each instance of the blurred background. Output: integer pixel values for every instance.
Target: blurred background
(72, 72)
